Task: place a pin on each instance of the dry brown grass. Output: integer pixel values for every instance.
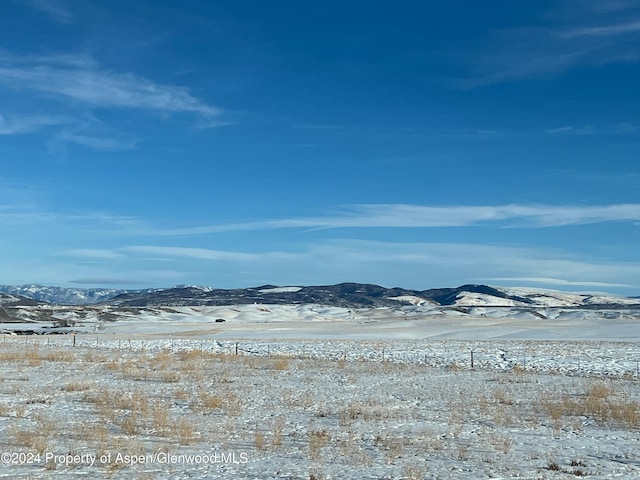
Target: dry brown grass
(184, 430)
(33, 439)
(598, 390)
(501, 443)
(76, 386)
(33, 355)
(195, 398)
(317, 439)
(159, 417)
(277, 432)
(598, 401)
(280, 364)
(210, 401)
(272, 438)
(453, 367)
(502, 397)
(169, 376)
(259, 440)
(414, 471)
(130, 424)
(368, 410)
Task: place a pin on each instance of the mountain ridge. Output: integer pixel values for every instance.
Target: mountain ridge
(347, 294)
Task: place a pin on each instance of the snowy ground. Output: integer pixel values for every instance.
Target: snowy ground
(318, 321)
(333, 394)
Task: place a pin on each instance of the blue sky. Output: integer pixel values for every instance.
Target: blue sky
(231, 144)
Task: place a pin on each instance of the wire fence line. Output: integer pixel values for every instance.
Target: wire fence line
(564, 357)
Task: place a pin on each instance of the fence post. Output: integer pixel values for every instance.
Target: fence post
(471, 358)
(236, 348)
(74, 339)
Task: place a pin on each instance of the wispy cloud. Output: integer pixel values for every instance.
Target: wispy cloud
(313, 260)
(420, 216)
(92, 254)
(581, 37)
(461, 262)
(479, 134)
(559, 282)
(80, 79)
(603, 31)
(56, 9)
(75, 135)
(79, 91)
(115, 282)
(88, 223)
(355, 217)
(17, 125)
(417, 265)
(572, 130)
(203, 253)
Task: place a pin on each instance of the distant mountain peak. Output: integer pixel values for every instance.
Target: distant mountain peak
(346, 294)
(61, 295)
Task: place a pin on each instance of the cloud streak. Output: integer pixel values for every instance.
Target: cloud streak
(96, 142)
(355, 217)
(581, 38)
(202, 253)
(560, 282)
(80, 79)
(414, 265)
(420, 216)
(604, 31)
(26, 124)
(56, 9)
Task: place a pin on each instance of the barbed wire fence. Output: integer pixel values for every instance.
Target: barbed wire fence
(566, 358)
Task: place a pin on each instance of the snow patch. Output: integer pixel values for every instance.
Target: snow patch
(280, 290)
(412, 299)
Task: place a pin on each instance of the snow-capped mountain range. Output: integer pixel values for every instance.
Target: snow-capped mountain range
(61, 295)
(350, 295)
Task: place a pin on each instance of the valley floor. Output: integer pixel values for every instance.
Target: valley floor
(151, 406)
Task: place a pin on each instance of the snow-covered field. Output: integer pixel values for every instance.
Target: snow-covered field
(475, 322)
(318, 392)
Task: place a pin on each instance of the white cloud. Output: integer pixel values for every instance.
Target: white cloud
(413, 265)
(581, 38)
(203, 253)
(82, 80)
(78, 86)
(26, 124)
(113, 281)
(559, 282)
(88, 223)
(604, 31)
(421, 216)
(572, 130)
(72, 135)
(355, 217)
(92, 254)
(56, 9)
